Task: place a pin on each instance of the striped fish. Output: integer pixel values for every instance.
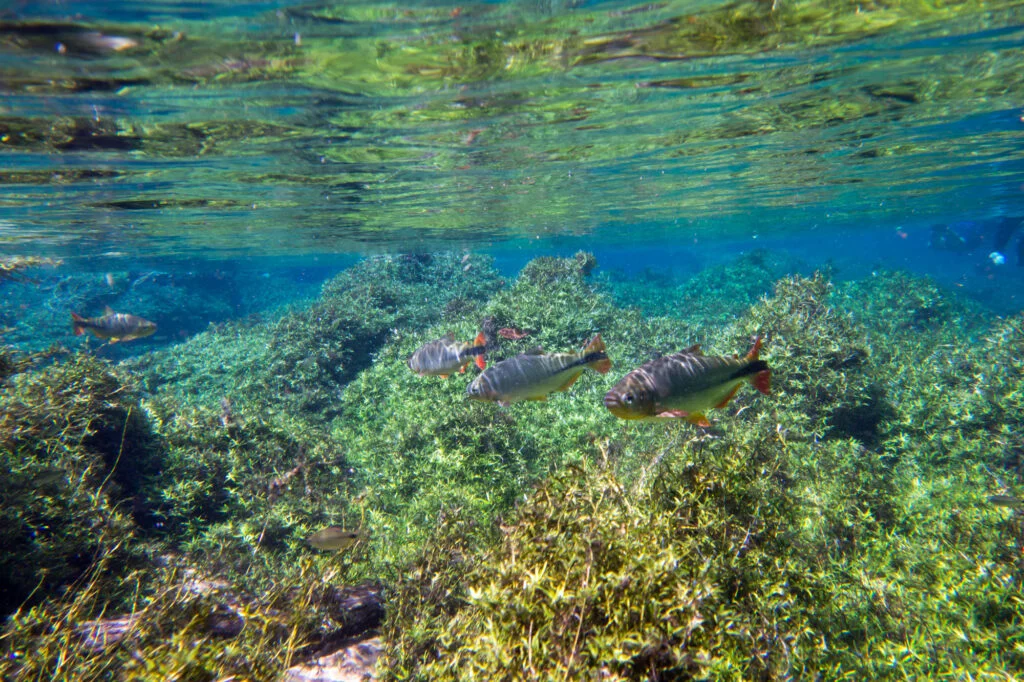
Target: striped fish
(686, 384)
(532, 376)
(113, 326)
(442, 357)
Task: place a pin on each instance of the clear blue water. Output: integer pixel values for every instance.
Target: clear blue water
(226, 167)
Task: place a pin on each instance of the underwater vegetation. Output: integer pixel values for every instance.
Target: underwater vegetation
(158, 509)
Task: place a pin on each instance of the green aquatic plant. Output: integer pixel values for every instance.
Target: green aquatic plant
(800, 539)
(299, 360)
(75, 446)
(842, 526)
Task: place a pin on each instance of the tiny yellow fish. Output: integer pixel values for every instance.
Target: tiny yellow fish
(113, 326)
(444, 356)
(685, 384)
(333, 539)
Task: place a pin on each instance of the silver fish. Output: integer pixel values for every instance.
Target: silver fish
(444, 356)
(113, 326)
(532, 376)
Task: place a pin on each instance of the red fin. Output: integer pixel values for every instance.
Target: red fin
(76, 324)
(732, 394)
(569, 383)
(756, 350)
(480, 340)
(462, 370)
(763, 381)
(480, 362)
(596, 345)
(699, 419)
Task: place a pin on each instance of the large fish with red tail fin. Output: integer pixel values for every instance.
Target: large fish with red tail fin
(532, 376)
(444, 356)
(113, 326)
(686, 384)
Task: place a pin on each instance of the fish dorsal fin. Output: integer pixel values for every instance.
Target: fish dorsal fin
(450, 336)
(107, 310)
(692, 350)
(536, 350)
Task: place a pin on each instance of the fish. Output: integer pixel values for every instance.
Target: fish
(686, 384)
(113, 326)
(442, 357)
(1006, 501)
(333, 539)
(532, 376)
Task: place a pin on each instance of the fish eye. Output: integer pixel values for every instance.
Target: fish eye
(628, 398)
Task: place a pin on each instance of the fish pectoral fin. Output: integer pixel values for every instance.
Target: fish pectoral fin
(462, 370)
(728, 397)
(113, 339)
(568, 384)
(698, 419)
(443, 376)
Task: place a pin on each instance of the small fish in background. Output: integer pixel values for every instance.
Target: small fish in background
(513, 334)
(444, 356)
(684, 385)
(532, 376)
(334, 539)
(1004, 500)
(113, 326)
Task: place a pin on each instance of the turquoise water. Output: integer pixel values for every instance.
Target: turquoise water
(299, 195)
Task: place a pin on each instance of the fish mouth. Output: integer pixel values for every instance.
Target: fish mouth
(615, 406)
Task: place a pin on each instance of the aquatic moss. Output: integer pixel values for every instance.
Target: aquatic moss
(75, 446)
(299, 360)
(781, 545)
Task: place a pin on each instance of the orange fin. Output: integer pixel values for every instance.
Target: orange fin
(596, 345)
(443, 376)
(77, 324)
(569, 383)
(672, 414)
(756, 350)
(462, 370)
(763, 381)
(698, 419)
(480, 342)
(732, 394)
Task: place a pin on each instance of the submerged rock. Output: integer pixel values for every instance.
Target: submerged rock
(354, 663)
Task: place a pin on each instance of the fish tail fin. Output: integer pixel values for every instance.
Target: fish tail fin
(601, 364)
(481, 343)
(755, 352)
(77, 324)
(763, 381)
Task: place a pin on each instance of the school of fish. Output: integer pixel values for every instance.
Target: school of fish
(684, 385)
